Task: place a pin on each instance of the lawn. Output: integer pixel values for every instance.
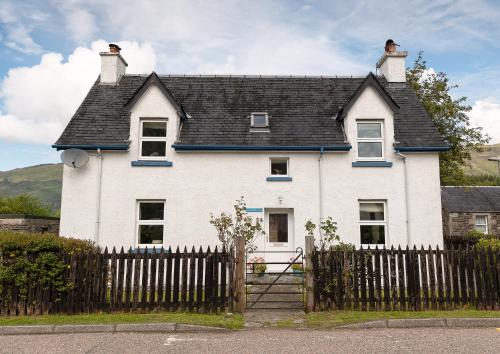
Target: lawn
(329, 319)
(230, 321)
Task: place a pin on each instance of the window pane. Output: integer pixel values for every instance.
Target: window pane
(151, 234)
(372, 234)
(369, 130)
(371, 211)
(481, 228)
(279, 167)
(480, 219)
(151, 211)
(278, 227)
(370, 149)
(153, 148)
(259, 120)
(154, 129)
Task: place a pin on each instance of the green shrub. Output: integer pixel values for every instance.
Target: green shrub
(23, 204)
(487, 243)
(36, 259)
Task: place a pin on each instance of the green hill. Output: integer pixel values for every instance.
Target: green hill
(480, 164)
(41, 181)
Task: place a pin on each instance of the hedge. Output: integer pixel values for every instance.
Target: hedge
(29, 259)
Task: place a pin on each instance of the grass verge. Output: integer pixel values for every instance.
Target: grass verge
(339, 318)
(233, 321)
(329, 319)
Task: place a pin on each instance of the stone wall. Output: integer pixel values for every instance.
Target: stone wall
(29, 223)
(459, 224)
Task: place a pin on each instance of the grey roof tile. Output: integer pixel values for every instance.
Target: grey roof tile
(471, 199)
(301, 111)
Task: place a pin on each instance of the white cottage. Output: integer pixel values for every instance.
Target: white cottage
(166, 151)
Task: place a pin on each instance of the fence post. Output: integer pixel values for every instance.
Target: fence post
(309, 273)
(239, 276)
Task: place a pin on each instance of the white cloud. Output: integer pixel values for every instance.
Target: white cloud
(40, 100)
(19, 38)
(486, 114)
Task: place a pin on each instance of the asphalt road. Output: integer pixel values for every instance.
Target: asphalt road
(438, 340)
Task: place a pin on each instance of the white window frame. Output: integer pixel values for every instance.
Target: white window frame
(278, 158)
(149, 222)
(373, 222)
(486, 224)
(252, 123)
(371, 140)
(148, 138)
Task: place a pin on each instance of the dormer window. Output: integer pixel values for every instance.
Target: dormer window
(260, 120)
(370, 140)
(153, 139)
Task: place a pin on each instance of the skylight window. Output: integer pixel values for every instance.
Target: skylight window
(260, 120)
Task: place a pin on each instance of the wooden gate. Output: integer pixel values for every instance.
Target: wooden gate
(275, 284)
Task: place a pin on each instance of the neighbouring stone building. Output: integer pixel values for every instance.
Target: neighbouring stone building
(469, 208)
(29, 223)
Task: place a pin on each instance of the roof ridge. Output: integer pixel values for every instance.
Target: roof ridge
(243, 76)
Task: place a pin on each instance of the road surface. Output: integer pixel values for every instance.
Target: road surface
(429, 340)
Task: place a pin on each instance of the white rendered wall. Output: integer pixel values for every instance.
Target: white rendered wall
(200, 183)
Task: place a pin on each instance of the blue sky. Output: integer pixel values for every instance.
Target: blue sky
(49, 50)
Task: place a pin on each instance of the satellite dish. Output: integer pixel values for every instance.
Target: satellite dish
(74, 158)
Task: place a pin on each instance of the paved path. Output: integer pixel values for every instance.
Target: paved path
(431, 340)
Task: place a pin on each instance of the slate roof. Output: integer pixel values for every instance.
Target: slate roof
(301, 111)
(471, 199)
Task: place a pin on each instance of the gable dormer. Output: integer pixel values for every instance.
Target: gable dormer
(368, 121)
(155, 121)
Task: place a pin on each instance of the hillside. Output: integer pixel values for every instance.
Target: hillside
(481, 165)
(41, 181)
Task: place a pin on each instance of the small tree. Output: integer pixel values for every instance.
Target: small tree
(229, 227)
(328, 237)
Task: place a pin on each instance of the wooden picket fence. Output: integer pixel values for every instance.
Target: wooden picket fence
(406, 280)
(144, 281)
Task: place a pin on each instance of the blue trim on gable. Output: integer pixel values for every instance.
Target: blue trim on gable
(279, 179)
(148, 163)
(421, 148)
(182, 147)
(372, 164)
(254, 210)
(91, 147)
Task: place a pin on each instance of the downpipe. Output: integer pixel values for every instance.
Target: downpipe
(320, 189)
(407, 198)
(98, 197)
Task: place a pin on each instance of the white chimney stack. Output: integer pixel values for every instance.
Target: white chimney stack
(392, 64)
(112, 65)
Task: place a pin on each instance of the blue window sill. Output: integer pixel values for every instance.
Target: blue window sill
(279, 179)
(147, 163)
(372, 164)
(254, 210)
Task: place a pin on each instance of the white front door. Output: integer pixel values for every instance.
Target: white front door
(279, 230)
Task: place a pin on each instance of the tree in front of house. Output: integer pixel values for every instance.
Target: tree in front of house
(328, 236)
(228, 226)
(450, 118)
(23, 204)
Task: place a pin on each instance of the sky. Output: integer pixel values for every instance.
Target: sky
(49, 50)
